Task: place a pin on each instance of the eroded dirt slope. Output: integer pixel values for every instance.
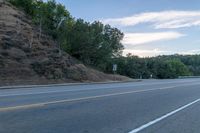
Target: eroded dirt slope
(25, 58)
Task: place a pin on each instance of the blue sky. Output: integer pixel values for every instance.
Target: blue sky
(151, 27)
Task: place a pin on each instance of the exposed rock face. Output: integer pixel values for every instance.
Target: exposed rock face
(24, 58)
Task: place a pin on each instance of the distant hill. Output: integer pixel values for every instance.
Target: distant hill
(26, 59)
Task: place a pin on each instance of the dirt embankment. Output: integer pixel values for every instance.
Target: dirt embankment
(26, 58)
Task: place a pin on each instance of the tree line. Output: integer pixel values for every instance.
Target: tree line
(160, 67)
(98, 45)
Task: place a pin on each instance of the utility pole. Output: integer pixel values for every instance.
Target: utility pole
(58, 26)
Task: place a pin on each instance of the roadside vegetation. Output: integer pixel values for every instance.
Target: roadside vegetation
(99, 46)
(94, 44)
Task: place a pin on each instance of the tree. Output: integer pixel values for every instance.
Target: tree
(177, 68)
(94, 43)
(27, 5)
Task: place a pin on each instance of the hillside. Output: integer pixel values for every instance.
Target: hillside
(25, 58)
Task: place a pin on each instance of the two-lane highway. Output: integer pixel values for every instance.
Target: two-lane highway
(157, 106)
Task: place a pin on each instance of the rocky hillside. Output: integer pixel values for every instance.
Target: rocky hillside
(26, 58)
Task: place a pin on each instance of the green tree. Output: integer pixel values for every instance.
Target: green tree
(94, 43)
(27, 5)
(177, 68)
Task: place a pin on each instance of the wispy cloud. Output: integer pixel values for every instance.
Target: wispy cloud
(191, 52)
(143, 38)
(156, 52)
(164, 19)
(145, 52)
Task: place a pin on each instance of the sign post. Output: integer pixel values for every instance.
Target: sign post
(114, 68)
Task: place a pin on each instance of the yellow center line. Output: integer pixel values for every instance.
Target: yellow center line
(83, 98)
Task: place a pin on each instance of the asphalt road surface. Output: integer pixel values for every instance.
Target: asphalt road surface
(150, 106)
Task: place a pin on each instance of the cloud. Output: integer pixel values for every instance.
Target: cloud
(156, 52)
(143, 38)
(159, 20)
(190, 52)
(145, 52)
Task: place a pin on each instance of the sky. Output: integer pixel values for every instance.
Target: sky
(151, 27)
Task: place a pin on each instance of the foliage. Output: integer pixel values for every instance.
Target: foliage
(161, 67)
(95, 44)
(27, 5)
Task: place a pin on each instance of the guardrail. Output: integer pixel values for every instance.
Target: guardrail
(184, 77)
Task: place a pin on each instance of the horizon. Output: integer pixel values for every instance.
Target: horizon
(150, 30)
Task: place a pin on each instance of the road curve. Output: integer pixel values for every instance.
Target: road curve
(150, 106)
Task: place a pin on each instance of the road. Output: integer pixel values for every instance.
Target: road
(150, 106)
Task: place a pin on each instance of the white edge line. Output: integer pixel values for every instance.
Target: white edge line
(163, 117)
(71, 90)
(75, 84)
